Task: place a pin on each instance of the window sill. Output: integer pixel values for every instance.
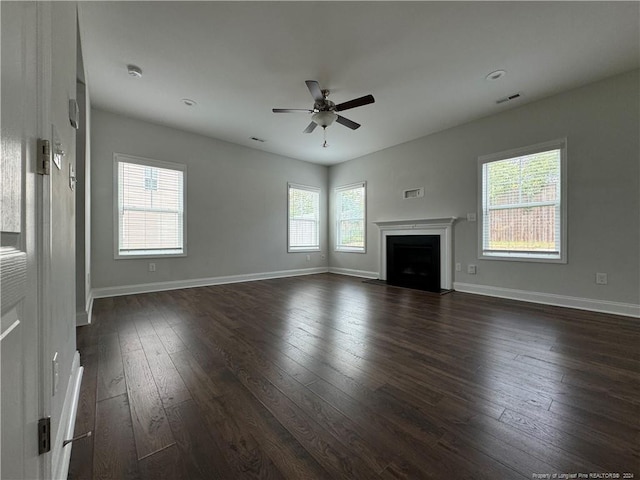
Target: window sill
(351, 250)
(302, 249)
(526, 257)
(149, 255)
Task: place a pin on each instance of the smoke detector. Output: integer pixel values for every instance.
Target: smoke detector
(134, 71)
(497, 75)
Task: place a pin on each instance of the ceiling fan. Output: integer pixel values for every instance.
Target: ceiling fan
(324, 110)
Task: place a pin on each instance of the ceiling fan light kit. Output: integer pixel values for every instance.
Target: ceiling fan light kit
(324, 110)
(324, 119)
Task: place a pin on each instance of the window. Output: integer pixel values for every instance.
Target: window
(350, 218)
(304, 218)
(523, 215)
(150, 214)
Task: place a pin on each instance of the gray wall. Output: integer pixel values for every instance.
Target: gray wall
(60, 329)
(83, 195)
(237, 196)
(601, 123)
(236, 205)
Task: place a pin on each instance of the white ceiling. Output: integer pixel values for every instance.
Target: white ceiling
(424, 62)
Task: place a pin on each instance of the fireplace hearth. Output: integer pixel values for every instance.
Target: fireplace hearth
(414, 261)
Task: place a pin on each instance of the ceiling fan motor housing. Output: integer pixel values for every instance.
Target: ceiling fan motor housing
(324, 105)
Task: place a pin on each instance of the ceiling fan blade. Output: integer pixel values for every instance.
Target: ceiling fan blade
(357, 102)
(347, 123)
(310, 128)
(291, 110)
(314, 88)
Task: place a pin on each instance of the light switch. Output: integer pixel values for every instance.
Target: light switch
(74, 113)
(57, 151)
(55, 373)
(72, 177)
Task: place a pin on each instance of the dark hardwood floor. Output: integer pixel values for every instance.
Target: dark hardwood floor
(327, 377)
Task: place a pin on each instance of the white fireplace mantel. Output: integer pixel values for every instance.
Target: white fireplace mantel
(442, 227)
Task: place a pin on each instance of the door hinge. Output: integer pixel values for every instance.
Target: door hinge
(44, 435)
(44, 157)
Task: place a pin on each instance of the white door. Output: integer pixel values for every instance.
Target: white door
(19, 333)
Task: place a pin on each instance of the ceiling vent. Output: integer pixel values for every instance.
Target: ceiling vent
(413, 193)
(510, 97)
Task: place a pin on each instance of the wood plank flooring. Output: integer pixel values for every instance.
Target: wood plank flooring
(327, 377)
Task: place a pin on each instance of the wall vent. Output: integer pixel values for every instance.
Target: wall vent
(413, 193)
(510, 97)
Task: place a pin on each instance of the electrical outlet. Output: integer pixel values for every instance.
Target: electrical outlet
(471, 217)
(152, 267)
(471, 269)
(601, 278)
(308, 258)
(458, 267)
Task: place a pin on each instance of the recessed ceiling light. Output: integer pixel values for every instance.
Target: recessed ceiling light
(498, 74)
(134, 71)
(188, 102)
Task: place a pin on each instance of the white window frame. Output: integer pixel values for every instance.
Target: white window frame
(147, 162)
(561, 256)
(305, 248)
(345, 248)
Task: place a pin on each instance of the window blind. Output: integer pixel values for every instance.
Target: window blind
(150, 209)
(304, 218)
(350, 218)
(521, 205)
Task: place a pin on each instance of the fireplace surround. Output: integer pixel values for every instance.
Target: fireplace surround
(440, 227)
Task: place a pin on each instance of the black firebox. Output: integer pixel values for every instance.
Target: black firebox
(414, 261)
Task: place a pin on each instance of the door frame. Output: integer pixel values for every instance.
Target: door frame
(43, 219)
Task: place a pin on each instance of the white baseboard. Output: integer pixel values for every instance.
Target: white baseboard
(60, 456)
(354, 273)
(603, 306)
(616, 308)
(84, 317)
(200, 282)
